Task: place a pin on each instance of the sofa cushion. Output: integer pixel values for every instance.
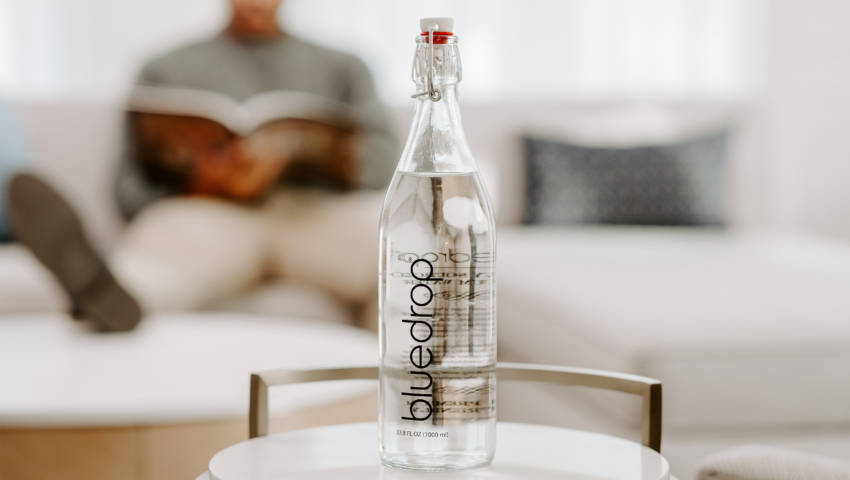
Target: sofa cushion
(24, 285)
(679, 183)
(741, 330)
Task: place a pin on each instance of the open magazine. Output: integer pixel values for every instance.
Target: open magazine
(243, 117)
(292, 136)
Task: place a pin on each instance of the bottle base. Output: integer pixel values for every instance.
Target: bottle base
(438, 462)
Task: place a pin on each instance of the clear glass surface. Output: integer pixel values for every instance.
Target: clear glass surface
(438, 328)
(437, 289)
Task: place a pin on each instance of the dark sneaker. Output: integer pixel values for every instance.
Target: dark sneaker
(46, 223)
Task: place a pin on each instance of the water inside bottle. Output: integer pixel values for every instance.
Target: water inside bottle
(438, 334)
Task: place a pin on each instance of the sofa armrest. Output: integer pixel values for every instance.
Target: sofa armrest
(756, 462)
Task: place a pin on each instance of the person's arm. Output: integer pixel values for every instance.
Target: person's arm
(377, 148)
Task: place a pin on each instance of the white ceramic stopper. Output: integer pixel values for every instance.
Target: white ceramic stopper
(439, 24)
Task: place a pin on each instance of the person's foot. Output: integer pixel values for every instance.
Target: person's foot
(45, 223)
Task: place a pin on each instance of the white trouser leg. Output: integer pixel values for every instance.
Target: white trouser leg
(329, 240)
(185, 253)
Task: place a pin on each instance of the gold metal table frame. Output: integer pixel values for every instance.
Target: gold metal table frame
(648, 389)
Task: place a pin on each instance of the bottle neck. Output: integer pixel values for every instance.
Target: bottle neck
(437, 142)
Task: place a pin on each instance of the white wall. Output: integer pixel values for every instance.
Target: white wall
(534, 49)
(56, 49)
(806, 116)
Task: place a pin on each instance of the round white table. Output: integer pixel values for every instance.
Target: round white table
(522, 452)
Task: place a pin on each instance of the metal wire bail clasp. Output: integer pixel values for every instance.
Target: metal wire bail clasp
(433, 93)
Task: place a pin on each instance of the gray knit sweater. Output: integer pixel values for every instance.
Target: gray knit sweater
(242, 68)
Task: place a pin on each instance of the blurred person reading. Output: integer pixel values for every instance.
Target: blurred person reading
(249, 154)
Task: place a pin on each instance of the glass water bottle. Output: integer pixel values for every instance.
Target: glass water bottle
(437, 283)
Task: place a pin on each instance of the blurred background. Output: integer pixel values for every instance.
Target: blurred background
(785, 57)
(539, 50)
(736, 301)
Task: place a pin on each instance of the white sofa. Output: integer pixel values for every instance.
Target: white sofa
(748, 331)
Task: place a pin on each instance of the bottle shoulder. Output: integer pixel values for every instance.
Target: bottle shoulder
(437, 142)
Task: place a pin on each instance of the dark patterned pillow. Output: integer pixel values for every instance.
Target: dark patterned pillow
(676, 184)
